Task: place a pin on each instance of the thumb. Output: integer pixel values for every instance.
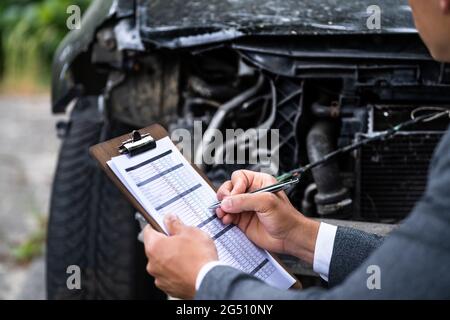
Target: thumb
(173, 224)
(260, 202)
(151, 235)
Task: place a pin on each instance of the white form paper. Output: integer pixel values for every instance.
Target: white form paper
(163, 181)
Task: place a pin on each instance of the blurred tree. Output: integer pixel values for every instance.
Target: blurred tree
(30, 31)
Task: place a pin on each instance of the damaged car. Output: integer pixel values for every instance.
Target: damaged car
(312, 71)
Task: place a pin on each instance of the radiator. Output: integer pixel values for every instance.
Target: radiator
(392, 175)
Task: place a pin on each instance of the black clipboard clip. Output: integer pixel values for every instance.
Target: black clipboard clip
(137, 144)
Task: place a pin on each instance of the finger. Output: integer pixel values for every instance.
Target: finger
(150, 234)
(154, 268)
(230, 219)
(224, 190)
(173, 224)
(261, 202)
(220, 213)
(150, 269)
(158, 283)
(151, 237)
(241, 182)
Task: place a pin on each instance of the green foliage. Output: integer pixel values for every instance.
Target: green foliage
(33, 246)
(30, 31)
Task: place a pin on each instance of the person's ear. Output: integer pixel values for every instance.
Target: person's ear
(445, 6)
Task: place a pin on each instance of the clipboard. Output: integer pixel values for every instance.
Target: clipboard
(135, 143)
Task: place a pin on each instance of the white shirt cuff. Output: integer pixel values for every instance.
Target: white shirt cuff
(204, 270)
(324, 249)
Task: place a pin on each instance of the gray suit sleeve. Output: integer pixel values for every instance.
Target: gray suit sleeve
(405, 266)
(351, 247)
(412, 263)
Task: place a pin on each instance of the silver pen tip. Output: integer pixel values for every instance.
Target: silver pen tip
(214, 206)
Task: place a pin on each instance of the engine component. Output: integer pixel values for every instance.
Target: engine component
(219, 116)
(278, 111)
(308, 203)
(391, 175)
(323, 111)
(148, 93)
(332, 197)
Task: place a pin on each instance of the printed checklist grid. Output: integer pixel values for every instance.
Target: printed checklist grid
(167, 183)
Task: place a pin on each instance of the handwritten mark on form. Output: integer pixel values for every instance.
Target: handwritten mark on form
(163, 181)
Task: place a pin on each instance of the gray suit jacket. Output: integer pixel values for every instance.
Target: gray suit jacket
(414, 261)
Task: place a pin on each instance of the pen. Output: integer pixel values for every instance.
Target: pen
(272, 188)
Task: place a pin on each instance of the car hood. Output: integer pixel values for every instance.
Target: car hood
(181, 23)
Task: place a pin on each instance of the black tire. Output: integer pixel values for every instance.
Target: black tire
(90, 224)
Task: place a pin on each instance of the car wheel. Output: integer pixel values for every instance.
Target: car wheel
(92, 247)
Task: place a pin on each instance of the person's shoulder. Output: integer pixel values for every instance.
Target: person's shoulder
(439, 174)
(442, 152)
(445, 142)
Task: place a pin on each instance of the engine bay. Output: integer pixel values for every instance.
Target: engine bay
(319, 96)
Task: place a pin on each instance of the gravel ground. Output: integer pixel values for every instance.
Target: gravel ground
(27, 162)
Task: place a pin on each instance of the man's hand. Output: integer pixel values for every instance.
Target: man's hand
(176, 260)
(268, 219)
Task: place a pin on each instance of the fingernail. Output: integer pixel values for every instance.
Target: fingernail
(171, 216)
(227, 203)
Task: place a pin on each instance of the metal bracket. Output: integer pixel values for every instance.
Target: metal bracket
(137, 144)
